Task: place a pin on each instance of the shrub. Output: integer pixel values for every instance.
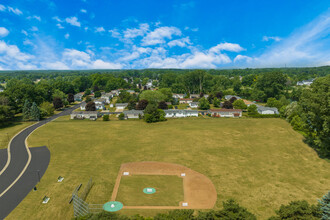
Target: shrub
(106, 118)
(121, 116)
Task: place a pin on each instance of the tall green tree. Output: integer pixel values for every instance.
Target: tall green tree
(325, 206)
(271, 83)
(315, 103)
(216, 102)
(26, 110)
(204, 104)
(34, 112)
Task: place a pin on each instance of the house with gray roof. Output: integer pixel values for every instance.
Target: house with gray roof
(228, 97)
(133, 113)
(267, 110)
(78, 97)
(91, 115)
(193, 104)
(121, 106)
(83, 106)
(178, 113)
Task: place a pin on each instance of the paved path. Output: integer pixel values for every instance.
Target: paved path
(22, 167)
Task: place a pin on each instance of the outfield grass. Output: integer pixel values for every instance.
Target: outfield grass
(7, 132)
(262, 163)
(169, 190)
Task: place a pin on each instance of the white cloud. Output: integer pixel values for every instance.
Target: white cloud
(100, 64)
(2, 7)
(73, 21)
(268, 38)
(115, 33)
(24, 32)
(54, 65)
(227, 47)
(99, 29)
(34, 17)
(83, 10)
(14, 10)
(3, 32)
(34, 28)
(67, 35)
(135, 32)
(307, 46)
(242, 58)
(10, 54)
(59, 26)
(56, 18)
(183, 42)
(159, 35)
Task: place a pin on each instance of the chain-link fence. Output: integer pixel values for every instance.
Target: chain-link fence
(80, 206)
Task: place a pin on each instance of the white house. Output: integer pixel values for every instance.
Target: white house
(185, 101)
(227, 113)
(91, 115)
(133, 113)
(121, 106)
(193, 104)
(83, 106)
(99, 106)
(78, 97)
(99, 101)
(194, 96)
(267, 110)
(305, 82)
(178, 96)
(228, 97)
(176, 113)
(107, 97)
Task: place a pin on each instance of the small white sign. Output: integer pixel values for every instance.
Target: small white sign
(149, 190)
(45, 200)
(185, 204)
(183, 174)
(126, 173)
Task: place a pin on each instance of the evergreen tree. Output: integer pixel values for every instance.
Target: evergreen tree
(204, 104)
(26, 110)
(216, 102)
(325, 206)
(34, 112)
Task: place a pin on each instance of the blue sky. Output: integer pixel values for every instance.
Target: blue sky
(132, 34)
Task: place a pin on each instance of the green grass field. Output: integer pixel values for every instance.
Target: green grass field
(169, 190)
(262, 163)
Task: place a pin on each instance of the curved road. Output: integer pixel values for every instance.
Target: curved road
(24, 168)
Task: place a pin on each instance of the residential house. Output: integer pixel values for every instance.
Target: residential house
(168, 103)
(178, 96)
(267, 110)
(194, 96)
(305, 82)
(83, 106)
(131, 91)
(121, 106)
(107, 97)
(193, 104)
(228, 97)
(91, 115)
(133, 113)
(185, 101)
(228, 113)
(248, 103)
(99, 106)
(176, 113)
(206, 96)
(99, 101)
(78, 97)
(115, 92)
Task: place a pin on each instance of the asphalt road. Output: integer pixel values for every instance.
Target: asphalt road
(40, 158)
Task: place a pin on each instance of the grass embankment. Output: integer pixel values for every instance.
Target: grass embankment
(262, 163)
(9, 131)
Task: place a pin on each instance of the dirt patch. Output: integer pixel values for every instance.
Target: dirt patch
(199, 191)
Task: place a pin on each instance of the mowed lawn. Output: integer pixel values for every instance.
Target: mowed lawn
(262, 163)
(169, 190)
(6, 133)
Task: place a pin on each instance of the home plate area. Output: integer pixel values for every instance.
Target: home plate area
(159, 185)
